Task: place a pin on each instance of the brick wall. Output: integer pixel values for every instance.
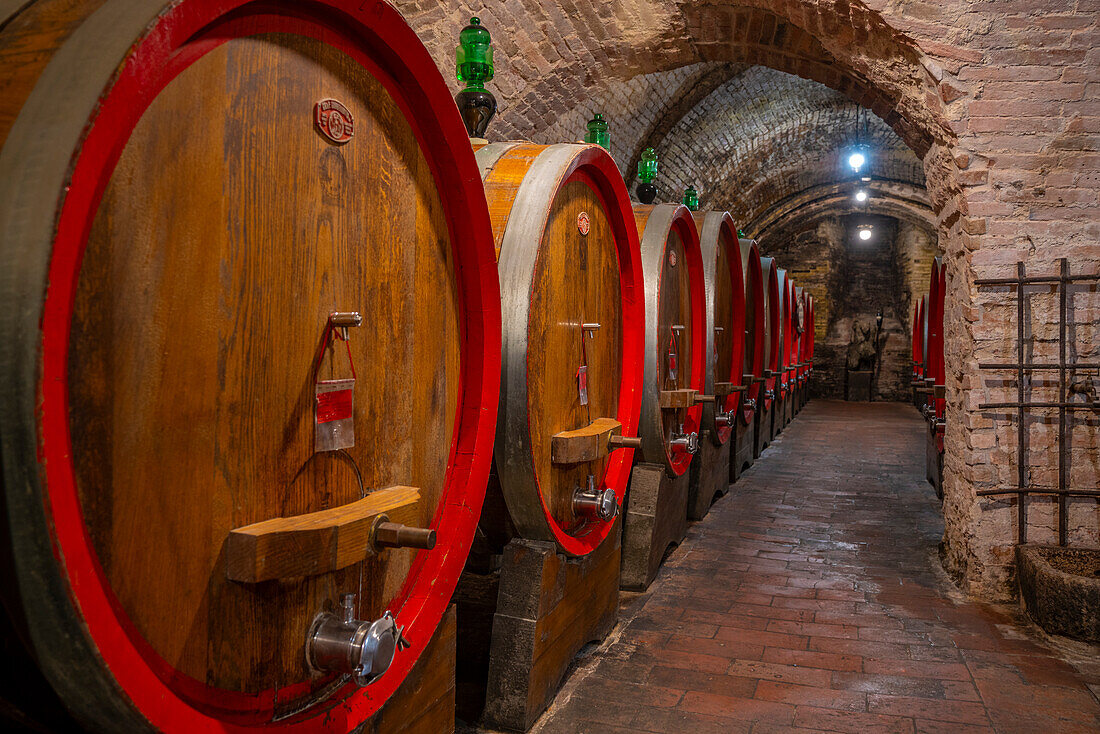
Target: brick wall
(998, 99)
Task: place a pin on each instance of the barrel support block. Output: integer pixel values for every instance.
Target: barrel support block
(709, 474)
(536, 635)
(655, 519)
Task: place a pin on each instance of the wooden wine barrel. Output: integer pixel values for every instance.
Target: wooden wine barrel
(798, 353)
(571, 284)
(811, 339)
(771, 331)
(188, 192)
(725, 330)
(785, 334)
(936, 340)
(918, 340)
(754, 343)
(675, 338)
(925, 315)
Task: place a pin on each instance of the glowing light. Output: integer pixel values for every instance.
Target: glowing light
(861, 195)
(865, 178)
(856, 161)
(865, 234)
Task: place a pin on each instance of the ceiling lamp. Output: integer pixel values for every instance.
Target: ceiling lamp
(861, 196)
(865, 232)
(856, 160)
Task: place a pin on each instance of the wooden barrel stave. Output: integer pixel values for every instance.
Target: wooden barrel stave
(725, 311)
(237, 656)
(674, 296)
(555, 278)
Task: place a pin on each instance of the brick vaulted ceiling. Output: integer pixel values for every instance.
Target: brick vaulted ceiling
(742, 100)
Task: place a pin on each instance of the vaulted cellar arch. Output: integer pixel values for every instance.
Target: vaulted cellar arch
(648, 64)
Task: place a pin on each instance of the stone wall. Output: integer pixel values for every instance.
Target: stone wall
(852, 279)
(998, 99)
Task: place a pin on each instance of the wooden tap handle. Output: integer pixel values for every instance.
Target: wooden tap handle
(395, 535)
(619, 441)
(700, 398)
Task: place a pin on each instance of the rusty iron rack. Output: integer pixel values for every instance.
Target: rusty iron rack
(1023, 490)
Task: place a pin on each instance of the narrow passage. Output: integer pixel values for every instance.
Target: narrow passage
(811, 599)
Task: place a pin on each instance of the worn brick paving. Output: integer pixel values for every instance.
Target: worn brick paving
(811, 599)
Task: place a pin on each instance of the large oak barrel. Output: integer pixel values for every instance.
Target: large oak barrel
(785, 334)
(195, 199)
(771, 331)
(725, 330)
(799, 350)
(675, 338)
(918, 340)
(571, 284)
(937, 373)
(754, 334)
(811, 339)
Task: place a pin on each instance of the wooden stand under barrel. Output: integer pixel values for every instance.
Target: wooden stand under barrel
(547, 608)
(656, 509)
(725, 352)
(546, 578)
(212, 522)
(743, 451)
(766, 408)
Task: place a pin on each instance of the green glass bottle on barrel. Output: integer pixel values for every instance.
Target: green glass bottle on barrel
(474, 67)
(598, 132)
(691, 198)
(647, 171)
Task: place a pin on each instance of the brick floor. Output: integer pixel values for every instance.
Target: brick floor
(811, 599)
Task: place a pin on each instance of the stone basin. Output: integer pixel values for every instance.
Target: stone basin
(1060, 589)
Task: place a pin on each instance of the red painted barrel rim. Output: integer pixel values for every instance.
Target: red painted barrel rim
(182, 34)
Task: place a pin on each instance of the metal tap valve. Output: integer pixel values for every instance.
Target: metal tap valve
(684, 442)
(363, 650)
(593, 502)
(769, 394)
(723, 419)
(750, 403)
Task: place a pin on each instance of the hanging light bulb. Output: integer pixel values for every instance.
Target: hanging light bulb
(856, 160)
(865, 232)
(861, 196)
